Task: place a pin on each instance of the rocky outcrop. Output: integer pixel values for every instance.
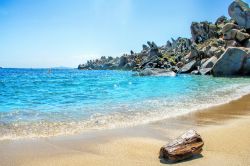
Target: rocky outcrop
(210, 62)
(123, 61)
(237, 35)
(230, 63)
(221, 21)
(240, 12)
(205, 71)
(229, 26)
(247, 43)
(246, 66)
(188, 67)
(155, 72)
(203, 31)
(203, 54)
(183, 147)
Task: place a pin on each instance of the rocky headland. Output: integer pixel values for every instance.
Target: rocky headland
(219, 49)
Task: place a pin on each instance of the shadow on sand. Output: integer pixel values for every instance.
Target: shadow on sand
(164, 161)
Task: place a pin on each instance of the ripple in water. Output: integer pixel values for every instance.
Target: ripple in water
(35, 103)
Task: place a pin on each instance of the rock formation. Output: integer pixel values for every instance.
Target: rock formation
(240, 12)
(155, 72)
(183, 147)
(212, 48)
(231, 63)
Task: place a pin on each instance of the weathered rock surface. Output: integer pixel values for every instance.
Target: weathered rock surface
(183, 147)
(247, 43)
(210, 62)
(123, 61)
(205, 71)
(237, 35)
(246, 66)
(155, 72)
(230, 63)
(221, 21)
(188, 67)
(229, 26)
(241, 36)
(202, 31)
(240, 12)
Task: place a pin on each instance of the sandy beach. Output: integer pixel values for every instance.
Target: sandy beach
(225, 130)
(125, 83)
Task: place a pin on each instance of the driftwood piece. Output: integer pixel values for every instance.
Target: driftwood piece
(183, 147)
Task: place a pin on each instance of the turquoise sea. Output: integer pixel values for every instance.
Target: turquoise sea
(42, 103)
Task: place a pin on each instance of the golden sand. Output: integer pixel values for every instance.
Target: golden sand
(225, 130)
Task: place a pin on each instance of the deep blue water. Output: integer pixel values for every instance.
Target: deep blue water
(37, 102)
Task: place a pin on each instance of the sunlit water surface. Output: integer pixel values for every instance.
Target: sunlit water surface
(41, 103)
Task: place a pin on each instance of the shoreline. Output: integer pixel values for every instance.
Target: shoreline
(140, 145)
(159, 111)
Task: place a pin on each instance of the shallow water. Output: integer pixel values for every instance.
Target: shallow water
(39, 103)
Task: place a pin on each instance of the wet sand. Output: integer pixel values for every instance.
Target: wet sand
(225, 130)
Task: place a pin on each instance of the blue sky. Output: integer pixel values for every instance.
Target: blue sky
(47, 33)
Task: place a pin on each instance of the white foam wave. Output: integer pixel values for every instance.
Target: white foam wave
(139, 113)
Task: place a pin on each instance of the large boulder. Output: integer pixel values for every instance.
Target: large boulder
(240, 12)
(130, 65)
(152, 45)
(230, 35)
(247, 43)
(210, 51)
(229, 26)
(180, 64)
(194, 53)
(188, 67)
(232, 43)
(123, 61)
(81, 66)
(210, 62)
(206, 67)
(203, 31)
(154, 52)
(185, 146)
(235, 34)
(107, 66)
(221, 21)
(153, 49)
(168, 45)
(246, 66)
(241, 36)
(145, 47)
(230, 63)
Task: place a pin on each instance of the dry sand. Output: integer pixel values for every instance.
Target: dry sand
(225, 130)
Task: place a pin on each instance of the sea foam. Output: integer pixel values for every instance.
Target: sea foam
(37, 104)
